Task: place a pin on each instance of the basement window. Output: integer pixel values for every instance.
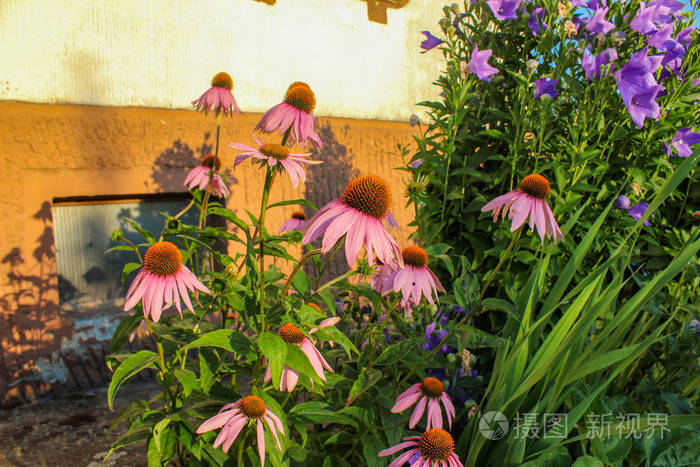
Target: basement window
(87, 277)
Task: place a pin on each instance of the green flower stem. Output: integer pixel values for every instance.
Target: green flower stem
(299, 265)
(161, 362)
(336, 280)
(269, 178)
(512, 244)
(207, 194)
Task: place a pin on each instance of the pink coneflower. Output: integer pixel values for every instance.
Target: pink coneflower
(199, 177)
(296, 111)
(218, 96)
(234, 417)
(528, 200)
(163, 278)
(414, 279)
(358, 214)
(293, 335)
(272, 154)
(296, 222)
(433, 448)
(430, 391)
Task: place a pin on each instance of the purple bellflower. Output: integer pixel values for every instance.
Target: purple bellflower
(504, 9)
(430, 41)
(683, 140)
(546, 86)
(478, 64)
(638, 87)
(433, 339)
(638, 210)
(644, 20)
(593, 64)
(536, 17)
(598, 24)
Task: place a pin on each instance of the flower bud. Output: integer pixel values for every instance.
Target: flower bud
(173, 224)
(531, 65)
(622, 202)
(445, 23)
(117, 235)
(455, 8)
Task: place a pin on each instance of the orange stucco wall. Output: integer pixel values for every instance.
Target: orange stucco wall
(51, 151)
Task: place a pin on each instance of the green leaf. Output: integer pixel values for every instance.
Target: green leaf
(587, 461)
(226, 339)
(139, 361)
(300, 202)
(275, 350)
(469, 337)
(158, 431)
(188, 379)
(366, 379)
(302, 283)
(124, 329)
(396, 352)
(144, 233)
(128, 268)
(320, 412)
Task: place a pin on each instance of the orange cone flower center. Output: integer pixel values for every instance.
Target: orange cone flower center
(436, 444)
(432, 387)
(163, 259)
(252, 406)
(209, 160)
(300, 96)
(415, 256)
(222, 80)
(291, 334)
(535, 185)
(277, 151)
(299, 215)
(369, 194)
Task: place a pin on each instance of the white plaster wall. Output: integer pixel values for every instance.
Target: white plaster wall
(159, 53)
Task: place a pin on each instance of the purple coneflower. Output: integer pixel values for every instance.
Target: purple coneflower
(428, 392)
(273, 153)
(199, 177)
(293, 335)
(435, 447)
(296, 222)
(529, 200)
(415, 279)
(357, 214)
(234, 417)
(163, 278)
(295, 112)
(218, 96)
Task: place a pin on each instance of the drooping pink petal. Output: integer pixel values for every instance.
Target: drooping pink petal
(271, 424)
(418, 412)
(403, 458)
(397, 448)
(406, 400)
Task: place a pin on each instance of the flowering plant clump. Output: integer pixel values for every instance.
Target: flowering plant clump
(552, 122)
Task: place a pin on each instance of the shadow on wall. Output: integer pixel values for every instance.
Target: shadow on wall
(30, 327)
(325, 183)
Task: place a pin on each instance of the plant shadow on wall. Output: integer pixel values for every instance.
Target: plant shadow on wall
(326, 182)
(30, 326)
